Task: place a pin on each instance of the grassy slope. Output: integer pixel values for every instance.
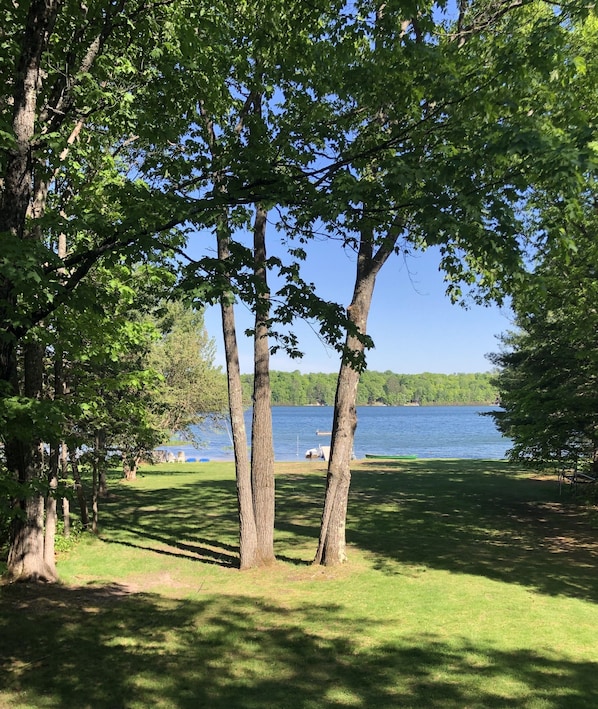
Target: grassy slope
(471, 584)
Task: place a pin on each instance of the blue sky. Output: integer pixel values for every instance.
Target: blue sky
(414, 325)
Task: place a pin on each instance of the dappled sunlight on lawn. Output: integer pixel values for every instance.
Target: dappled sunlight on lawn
(113, 648)
(486, 518)
(476, 517)
(469, 584)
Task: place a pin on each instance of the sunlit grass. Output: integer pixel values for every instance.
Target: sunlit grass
(470, 584)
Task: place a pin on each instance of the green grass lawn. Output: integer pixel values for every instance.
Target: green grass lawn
(470, 584)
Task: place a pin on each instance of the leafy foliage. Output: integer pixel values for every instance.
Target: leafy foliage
(190, 387)
(549, 367)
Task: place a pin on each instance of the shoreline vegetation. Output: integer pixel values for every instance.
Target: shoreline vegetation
(381, 389)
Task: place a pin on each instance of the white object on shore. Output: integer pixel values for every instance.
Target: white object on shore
(319, 452)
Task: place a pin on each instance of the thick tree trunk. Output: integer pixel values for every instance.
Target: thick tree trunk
(262, 446)
(248, 554)
(24, 458)
(332, 542)
(18, 175)
(26, 559)
(130, 467)
(26, 552)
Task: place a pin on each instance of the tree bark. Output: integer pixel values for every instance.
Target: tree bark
(262, 446)
(248, 554)
(51, 515)
(24, 459)
(96, 475)
(56, 455)
(332, 542)
(130, 466)
(79, 490)
(102, 486)
(26, 559)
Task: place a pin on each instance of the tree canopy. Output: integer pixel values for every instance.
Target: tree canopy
(130, 130)
(549, 364)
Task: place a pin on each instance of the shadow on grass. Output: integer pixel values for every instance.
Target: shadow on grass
(198, 520)
(476, 517)
(110, 648)
(473, 517)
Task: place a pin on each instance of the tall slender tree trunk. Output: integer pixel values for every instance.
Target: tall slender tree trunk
(102, 464)
(262, 445)
(248, 548)
(51, 510)
(332, 542)
(66, 505)
(60, 391)
(255, 478)
(79, 490)
(96, 476)
(55, 455)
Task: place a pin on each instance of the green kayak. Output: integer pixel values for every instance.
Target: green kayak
(391, 457)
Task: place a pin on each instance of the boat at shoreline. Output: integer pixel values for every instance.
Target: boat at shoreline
(381, 456)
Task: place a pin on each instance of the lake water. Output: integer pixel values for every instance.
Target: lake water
(426, 431)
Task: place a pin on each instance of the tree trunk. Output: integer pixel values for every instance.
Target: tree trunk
(66, 516)
(80, 492)
(96, 472)
(130, 466)
(102, 463)
(24, 458)
(248, 555)
(94, 499)
(18, 176)
(332, 542)
(26, 551)
(51, 510)
(56, 454)
(262, 446)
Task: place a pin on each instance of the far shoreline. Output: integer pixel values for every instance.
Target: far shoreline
(391, 406)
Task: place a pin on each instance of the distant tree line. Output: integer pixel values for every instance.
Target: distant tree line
(380, 388)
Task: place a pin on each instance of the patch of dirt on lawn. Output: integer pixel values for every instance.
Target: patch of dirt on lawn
(561, 528)
(40, 596)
